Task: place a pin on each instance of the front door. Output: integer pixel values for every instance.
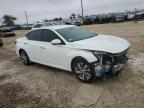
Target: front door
(53, 55)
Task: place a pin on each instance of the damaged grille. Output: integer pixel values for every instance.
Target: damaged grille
(119, 58)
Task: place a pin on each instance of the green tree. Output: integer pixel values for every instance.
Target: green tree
(73, 16)
(9, 20)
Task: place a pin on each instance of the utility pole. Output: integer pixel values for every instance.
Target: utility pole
(1, 21)
(82, 9)
(26, 17)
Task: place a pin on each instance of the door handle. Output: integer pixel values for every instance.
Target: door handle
(42, 47)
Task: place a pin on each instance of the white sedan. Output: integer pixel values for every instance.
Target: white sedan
(75, 49)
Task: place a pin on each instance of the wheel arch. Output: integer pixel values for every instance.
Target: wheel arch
(81, 57)
(21, 50)
(76, 58)
(89, 57)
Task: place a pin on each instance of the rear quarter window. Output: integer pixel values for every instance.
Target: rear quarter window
(35, 35)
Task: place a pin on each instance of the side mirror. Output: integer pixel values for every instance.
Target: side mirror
(56, 42)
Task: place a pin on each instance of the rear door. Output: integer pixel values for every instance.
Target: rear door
(33, 45)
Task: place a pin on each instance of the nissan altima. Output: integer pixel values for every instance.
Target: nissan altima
(68, 47)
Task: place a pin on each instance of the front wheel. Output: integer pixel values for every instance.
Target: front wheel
(83, 70)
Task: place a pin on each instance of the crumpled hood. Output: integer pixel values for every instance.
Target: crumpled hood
(104, 43)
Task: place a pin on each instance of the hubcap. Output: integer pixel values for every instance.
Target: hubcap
(83, 71)
(23, 57)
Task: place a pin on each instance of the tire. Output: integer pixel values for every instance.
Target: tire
(83, 70)
(1, 43)
(24, 58)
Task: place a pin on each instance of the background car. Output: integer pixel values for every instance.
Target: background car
(16, 27)
(6, 32)
(77, 22)
(45, 24)
(27, 26)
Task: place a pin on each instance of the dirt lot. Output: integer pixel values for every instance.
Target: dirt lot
(38, 86)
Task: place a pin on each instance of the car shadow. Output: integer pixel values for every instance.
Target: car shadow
(51, 69)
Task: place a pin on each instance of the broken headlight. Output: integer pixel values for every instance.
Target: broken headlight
(98, 54)
(103, 57)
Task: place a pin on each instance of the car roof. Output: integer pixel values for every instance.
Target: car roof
(55, 27)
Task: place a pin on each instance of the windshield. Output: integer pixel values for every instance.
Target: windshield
(72, 34)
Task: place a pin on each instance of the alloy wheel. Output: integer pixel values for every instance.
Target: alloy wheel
(24, 57)
(82, 71)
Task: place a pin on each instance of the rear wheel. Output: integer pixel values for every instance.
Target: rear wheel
(24, 57)
(1, 43)
(83, 70)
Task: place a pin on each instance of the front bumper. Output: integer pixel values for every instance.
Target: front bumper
(110, 64)
(101, 71)
(117, 68)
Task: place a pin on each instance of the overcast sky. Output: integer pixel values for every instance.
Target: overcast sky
(42, 9)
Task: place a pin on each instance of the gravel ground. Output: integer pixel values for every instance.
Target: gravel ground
(38, 86)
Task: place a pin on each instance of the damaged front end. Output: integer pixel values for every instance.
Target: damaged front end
(109, 64)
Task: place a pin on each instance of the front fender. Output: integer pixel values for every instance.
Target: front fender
(85, 54)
